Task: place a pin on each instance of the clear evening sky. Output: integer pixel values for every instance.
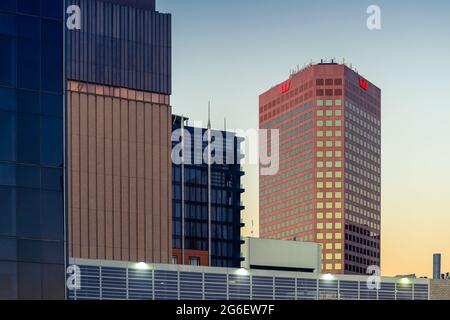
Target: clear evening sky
(230, 51)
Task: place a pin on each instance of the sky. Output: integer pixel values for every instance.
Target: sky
(231, 51)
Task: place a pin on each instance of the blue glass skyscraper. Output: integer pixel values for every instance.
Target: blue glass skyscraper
(32, 247)
(208, 238)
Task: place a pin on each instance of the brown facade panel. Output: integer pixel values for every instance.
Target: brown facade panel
(119, 178)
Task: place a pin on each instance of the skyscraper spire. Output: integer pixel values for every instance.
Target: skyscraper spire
(209, 115)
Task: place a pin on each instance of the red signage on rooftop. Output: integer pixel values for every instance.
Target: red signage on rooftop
(284, 87)
(363, 84)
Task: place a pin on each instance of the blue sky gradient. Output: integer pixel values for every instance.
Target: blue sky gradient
(231, 51)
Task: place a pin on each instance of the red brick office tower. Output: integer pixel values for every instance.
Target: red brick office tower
(328, 188)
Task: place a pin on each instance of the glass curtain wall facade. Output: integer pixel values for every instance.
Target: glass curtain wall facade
(226, 205)
(32, 258)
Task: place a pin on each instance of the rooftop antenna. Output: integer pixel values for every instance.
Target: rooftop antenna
(209, 186)
(182, 194)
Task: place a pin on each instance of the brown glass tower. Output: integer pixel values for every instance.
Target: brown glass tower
(118, 133)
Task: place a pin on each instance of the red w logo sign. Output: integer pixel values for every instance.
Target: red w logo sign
(363, 84)
(284, 87)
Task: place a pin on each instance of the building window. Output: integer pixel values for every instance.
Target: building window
(194, 261)
(174, 260)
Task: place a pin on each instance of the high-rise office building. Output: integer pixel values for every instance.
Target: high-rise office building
(32, 250)
(328, 187)
(436, 266)
(222, 246)
(118, 133)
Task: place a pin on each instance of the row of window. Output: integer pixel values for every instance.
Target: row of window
(355, 199)
(285, 185)
(286, 213)
(299, 150)
(329, 164)
(328, 92)
(25, 26)
(352, 217)
(329, 123)
(289, 194)
(366, 133)
(288, 115)
(31, 213)
(46, 8)
(362, 143)
(329, 133)
(329, 103)
(298, 229)
(329, 113)
(374, 120)
(369, 215)
(30, 64)
(298, 130)
(329, 236)
(28, 138)
(361, 162)
(271, 181)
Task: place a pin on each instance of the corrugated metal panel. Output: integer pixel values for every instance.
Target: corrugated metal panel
(161, 284)
(121, 46)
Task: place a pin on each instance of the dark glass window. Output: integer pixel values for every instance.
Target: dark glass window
(28, 177)
(7, 136)
(8, 278)
(52, 142)
(7, 98)
(52, 251)
(28, 64)
(52, 31)
(51, 218)
(52, 8)
(52, 179)
(28, 27)
(9, 5)
(7, 175)
(29, 250)
(8, 61)
(31, 198)
(8, 249)
(29, 6)
(8, 211)
(28, 213)
(52, 277)
(28, 142)
(51, 105)
(7, 24)
(29, 281)
(28, 102)
(51, 67)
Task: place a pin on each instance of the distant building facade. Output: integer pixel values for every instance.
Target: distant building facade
(328, 188)
(225, 190)
(437, 266)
